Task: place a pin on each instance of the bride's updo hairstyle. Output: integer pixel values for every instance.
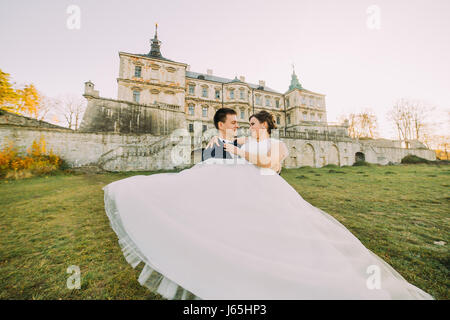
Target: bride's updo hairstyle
(264, 116)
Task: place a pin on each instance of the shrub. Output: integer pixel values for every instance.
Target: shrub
(362, 163)
(412, 159)
(330, 165)
(36, 161)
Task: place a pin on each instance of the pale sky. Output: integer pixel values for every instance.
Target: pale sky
(333, 49)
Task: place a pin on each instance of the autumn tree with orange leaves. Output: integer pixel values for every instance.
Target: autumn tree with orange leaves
(24, 101)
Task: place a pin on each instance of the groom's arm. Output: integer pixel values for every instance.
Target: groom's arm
(208, 153)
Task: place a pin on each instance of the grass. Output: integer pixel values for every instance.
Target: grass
(49, 223)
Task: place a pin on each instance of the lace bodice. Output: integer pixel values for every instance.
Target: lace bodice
(257, 147)
(264, 146)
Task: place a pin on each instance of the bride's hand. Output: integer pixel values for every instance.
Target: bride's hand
(211, 142)
(230, 148)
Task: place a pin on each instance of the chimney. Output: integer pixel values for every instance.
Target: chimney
(262, 83)
(209, 72)
(242, 78)
(188, 68)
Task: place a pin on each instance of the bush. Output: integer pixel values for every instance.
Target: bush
(362, 163)
(35, 162)
(330, 165)
(412, 159)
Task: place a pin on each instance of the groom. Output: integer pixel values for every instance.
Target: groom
(225, 121)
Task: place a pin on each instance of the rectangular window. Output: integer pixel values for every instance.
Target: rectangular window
(289, 119)
(191, 110)
(258, 100)
(137, 71)
(204, 127)
(242, 114)
(267, 102)
(205, 112)
(217, 94)
(241, 94)
(136, 95)
(277, 103)
(287, 102)
(278, 120)
(305, 116)
(232, 94)
(191, 127)
(191, 89)
(205, 92)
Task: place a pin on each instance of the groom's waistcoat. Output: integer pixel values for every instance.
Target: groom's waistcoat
(218, 151)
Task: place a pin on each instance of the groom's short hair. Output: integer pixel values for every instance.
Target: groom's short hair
(221, 115)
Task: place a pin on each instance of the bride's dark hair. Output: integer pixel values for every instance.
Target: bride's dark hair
(264, 116)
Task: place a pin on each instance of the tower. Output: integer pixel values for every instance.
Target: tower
(294, 81)
(155, 50)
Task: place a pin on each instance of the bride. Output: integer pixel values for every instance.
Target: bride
(232, 228)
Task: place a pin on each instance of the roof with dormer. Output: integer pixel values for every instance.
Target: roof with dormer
(207, 77)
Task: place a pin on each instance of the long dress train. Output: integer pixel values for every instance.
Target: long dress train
(226, 229)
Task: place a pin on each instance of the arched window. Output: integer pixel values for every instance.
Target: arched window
(191, 88)
(205, 91)
(137, 71)
(205, 111)
(136, 96)
(191, 109)
(242, 114)
(258, 99)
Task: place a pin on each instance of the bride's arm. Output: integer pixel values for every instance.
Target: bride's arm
(215, 139)
(271, 160)
(260, 160)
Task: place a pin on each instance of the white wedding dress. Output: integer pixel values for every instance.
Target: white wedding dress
(226, 229)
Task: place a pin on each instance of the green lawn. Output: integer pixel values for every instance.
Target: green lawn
(50, 223)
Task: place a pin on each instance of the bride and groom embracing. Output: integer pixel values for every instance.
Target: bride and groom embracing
(231, 228)
(260, 148)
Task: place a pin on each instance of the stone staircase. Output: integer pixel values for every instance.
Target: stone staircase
(137, 157)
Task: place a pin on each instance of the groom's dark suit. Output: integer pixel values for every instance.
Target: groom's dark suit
(218, 151)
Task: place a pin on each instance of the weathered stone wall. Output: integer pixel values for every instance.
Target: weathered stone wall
(108, 115)
(142, 152)
(110, 151)
(317, 153)
(8, 118)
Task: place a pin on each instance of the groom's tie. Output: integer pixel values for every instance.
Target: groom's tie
(224, 152)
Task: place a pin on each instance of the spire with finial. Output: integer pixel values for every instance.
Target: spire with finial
(295, 84)
(156, 44)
